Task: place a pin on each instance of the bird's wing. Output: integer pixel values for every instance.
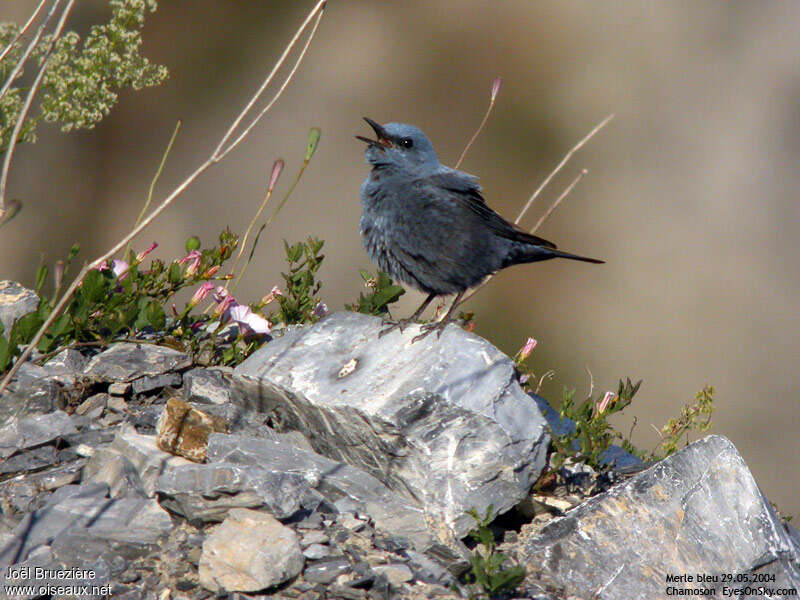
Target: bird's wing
(465, 188)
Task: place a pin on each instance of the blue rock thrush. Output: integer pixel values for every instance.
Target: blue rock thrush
(428, 226)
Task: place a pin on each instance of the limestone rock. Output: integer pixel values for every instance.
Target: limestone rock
(248, 552)
(441, 421)
(697, 511)
(148, 460)
(15, 301)
(29, 432)
(125, 362)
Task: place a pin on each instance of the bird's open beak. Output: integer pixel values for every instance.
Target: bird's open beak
(382, 138)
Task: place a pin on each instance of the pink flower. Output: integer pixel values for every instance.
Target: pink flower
(248, 321)
(143, 253)
(210, 272)
(321, 310)
(224, 300)
(526, 350)
(193, 260)
(274, 293)
(608, 400)
(120, 269)
(203, 291)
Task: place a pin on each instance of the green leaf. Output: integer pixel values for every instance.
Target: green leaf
(155, 316)
(94, 287)
(41, 275)
(25, 328)
(175, 273)
(7, 353)
(192, 243)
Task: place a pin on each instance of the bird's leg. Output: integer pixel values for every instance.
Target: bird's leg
(400, 323)
(439, 325)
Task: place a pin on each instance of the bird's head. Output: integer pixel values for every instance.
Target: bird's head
(400, 145)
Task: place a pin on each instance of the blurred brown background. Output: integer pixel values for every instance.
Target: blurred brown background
(691, 195)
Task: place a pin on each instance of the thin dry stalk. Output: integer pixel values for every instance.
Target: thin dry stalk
(155, 179)
(495, 89)
(564, 161)
(23, 31)
(213, 158)
(555, 204)
(31, 93)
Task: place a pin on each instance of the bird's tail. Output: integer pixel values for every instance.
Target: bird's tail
(527, 253)
(560, 254)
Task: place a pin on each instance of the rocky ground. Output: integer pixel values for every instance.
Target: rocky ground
(336, 464)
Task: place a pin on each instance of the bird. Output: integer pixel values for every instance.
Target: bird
(428, 226)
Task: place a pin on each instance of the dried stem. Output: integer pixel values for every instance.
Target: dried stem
(23, 31)
(31, 93)
(213, 158)
(495, 89)
(564, 161)
(154, 181)
(219, 153)
(555, 204)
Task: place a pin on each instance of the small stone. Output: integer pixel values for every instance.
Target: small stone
(316, 551)
(149, 383)
(93, 406)
(248, 552)
(183, 430)
(327, 570)
(119, 389)
(396, 573)
(314, 537)
(351, 522)
(116, 404)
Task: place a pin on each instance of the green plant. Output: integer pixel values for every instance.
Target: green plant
(123, 299)
(693, 417)
(382, 292)
(299, 302)
(591, 434)
(82, 79)
(488, 577)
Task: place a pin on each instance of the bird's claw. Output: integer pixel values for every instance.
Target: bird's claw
(392, 325)
(428, 328)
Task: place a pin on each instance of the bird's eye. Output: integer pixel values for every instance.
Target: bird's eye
(406, 142)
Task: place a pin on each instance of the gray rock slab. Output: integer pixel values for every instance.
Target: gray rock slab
(697, 511)
(441, 421)
(155, 382)
(24, 398)
(111, 467)
(248, 552)
(335, 480)
(29, 432)
(66, 367)
(208, 386)
(132, 525)
(326, 571)
(125, 362)
(209, 491)
(15, 301)
(148, 460)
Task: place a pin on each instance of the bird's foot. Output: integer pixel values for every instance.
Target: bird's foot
(428, 328)
(390, 326)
